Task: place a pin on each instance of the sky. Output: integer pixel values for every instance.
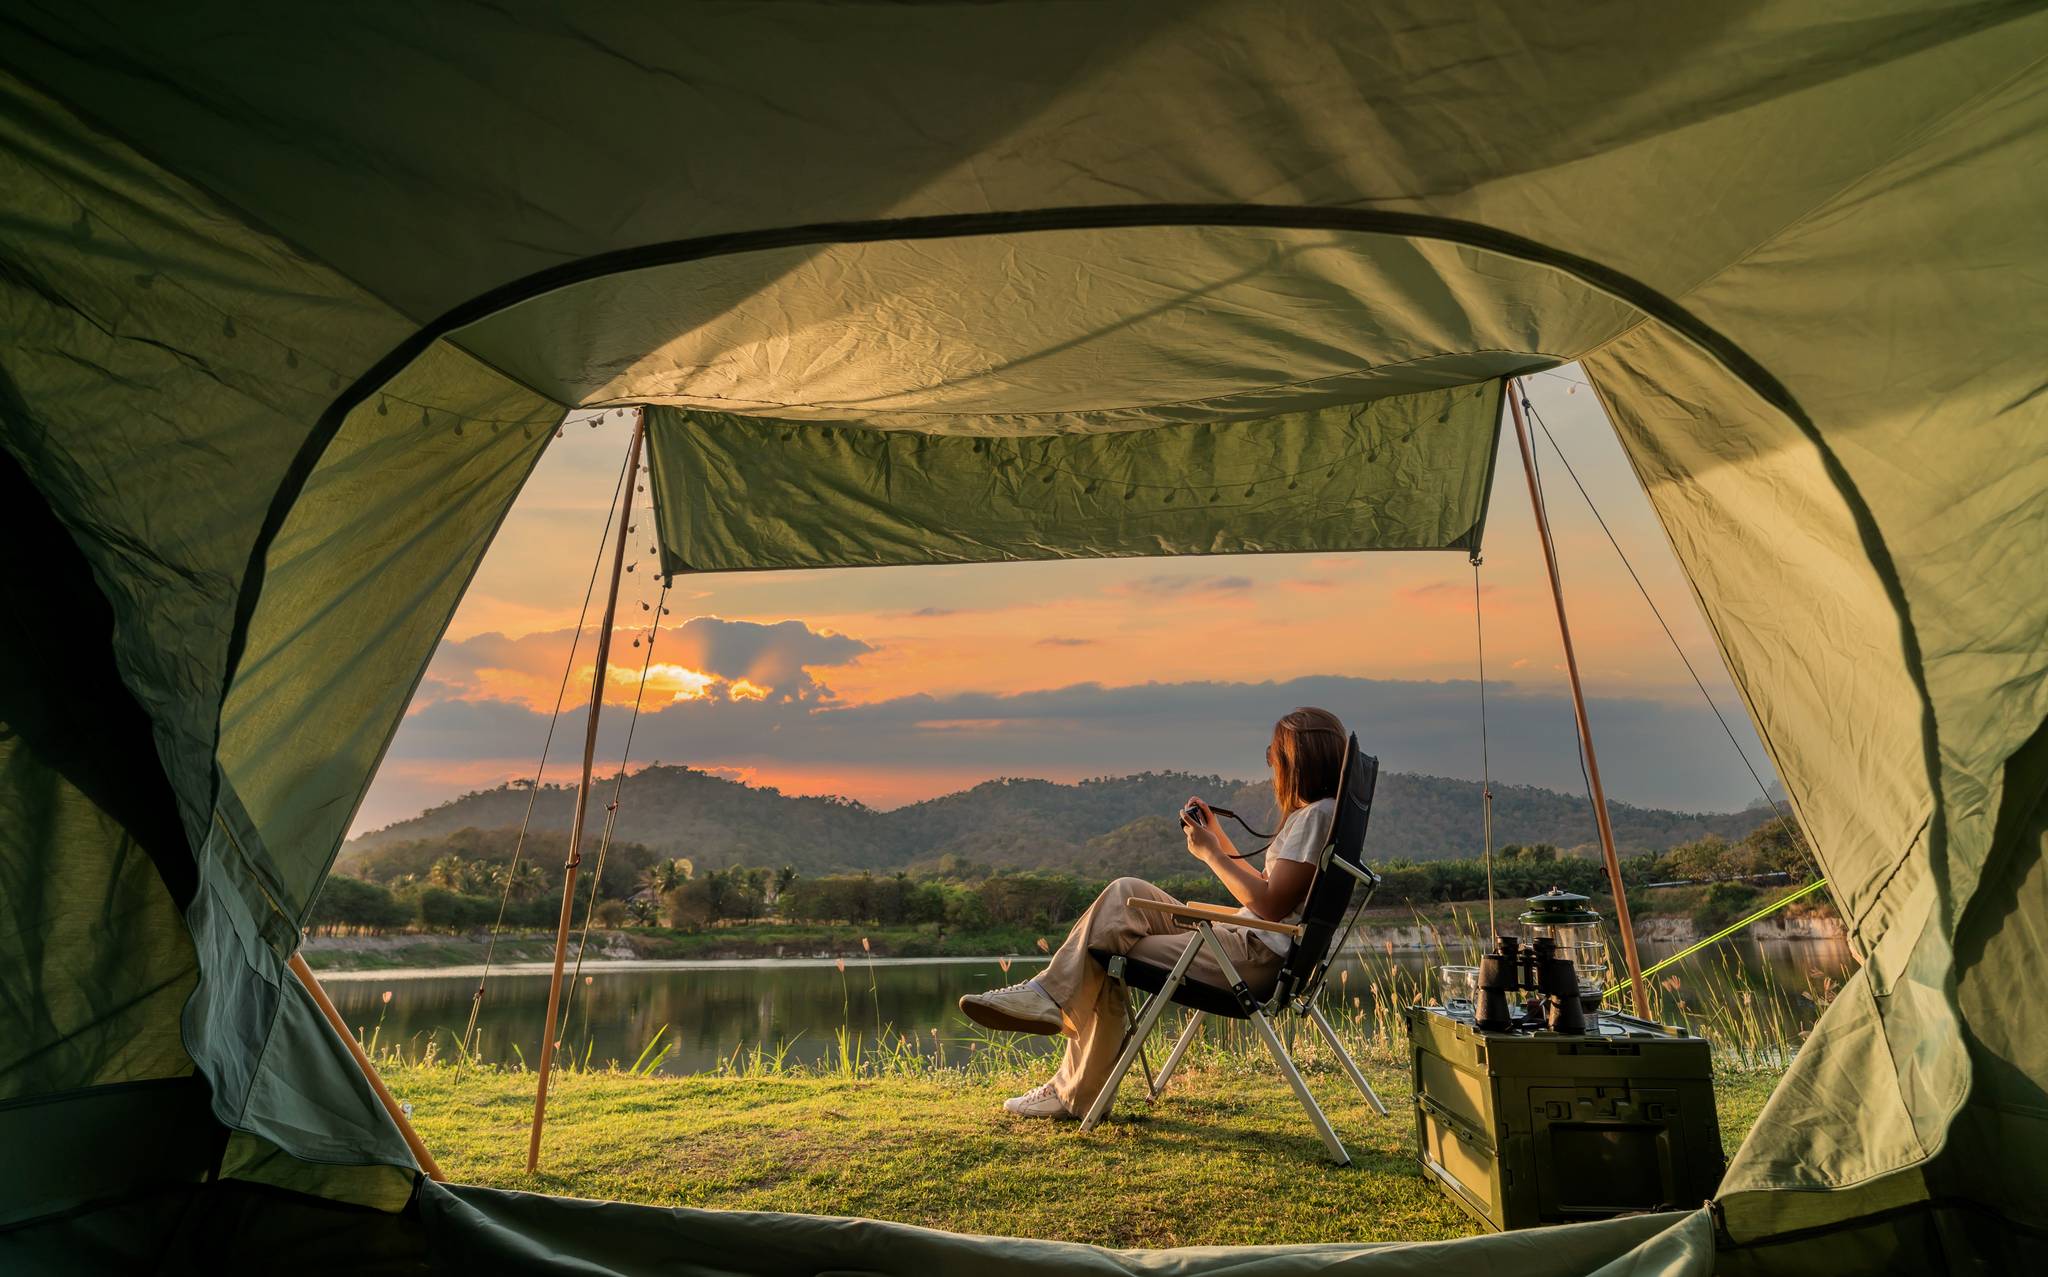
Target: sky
(891, 685)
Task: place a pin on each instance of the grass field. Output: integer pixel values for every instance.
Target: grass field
(1227, 1157)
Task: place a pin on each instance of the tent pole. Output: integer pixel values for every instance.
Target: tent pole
(1622, 921)
(604, 650)
(355, 1049)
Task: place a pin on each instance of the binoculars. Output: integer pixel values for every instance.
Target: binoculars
(1551, 982)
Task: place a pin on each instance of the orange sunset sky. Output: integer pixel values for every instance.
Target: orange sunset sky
(890, 685)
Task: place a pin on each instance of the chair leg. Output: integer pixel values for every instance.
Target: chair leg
(1131, 1026)
(1372, 1097)
(1134, 1040)
(1280, 1056)
(1293, 1075)
(1180, 1048)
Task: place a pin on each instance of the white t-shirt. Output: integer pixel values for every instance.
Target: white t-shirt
(1302, 836)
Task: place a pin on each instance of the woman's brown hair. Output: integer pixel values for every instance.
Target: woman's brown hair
(1307, 756)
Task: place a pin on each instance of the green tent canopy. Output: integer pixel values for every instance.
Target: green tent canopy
(293, 298)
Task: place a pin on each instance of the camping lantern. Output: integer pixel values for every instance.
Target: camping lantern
(1564, 917)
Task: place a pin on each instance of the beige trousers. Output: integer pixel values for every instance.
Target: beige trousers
(1092, 1005)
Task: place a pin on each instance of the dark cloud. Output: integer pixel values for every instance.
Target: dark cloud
(1057, 641)
(1653, 753)
(776, 657)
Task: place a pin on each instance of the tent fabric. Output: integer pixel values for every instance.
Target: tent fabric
(1409, 472)
(488, 1230)
(1072, 331)
(248, 291)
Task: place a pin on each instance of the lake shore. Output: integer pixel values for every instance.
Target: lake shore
(644, 947)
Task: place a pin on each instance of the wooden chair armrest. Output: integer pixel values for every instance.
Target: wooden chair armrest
(1215, 913)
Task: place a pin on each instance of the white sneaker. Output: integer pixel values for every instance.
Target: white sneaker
(1039, 1101)
(1019, 1008)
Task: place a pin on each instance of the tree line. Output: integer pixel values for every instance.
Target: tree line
(455, 892)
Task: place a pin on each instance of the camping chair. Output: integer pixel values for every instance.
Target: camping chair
(1318, 938)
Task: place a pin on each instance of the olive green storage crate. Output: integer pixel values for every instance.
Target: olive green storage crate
(1523, 1129)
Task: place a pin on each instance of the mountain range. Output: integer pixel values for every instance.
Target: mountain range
(1097, 828)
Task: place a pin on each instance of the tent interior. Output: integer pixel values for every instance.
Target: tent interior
(294, 299)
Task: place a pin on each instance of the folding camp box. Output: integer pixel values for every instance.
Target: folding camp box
(1545, 1128)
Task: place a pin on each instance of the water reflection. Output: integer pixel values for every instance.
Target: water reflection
(713, 1010)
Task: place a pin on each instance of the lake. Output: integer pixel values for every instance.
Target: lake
(713, 1009)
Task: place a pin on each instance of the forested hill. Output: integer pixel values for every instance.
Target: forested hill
(1122, 824)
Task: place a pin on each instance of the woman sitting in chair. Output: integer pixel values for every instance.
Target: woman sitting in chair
(1073, 995)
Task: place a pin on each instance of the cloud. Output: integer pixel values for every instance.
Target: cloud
(1442, 596)
(761, 662)
(1164, 586)
(1653, 752)
(703, 656)
(1058, 641)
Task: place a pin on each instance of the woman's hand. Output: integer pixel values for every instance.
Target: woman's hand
(1204, 839)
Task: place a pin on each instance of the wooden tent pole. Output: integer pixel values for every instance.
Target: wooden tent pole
(1622, 921)
(604, 651)
(355, 1049)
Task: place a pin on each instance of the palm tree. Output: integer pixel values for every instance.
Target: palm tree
(785, 878)
(527, 881)
(448, 872)
(665, 876)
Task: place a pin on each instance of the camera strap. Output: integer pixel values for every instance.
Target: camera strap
(1246, 826)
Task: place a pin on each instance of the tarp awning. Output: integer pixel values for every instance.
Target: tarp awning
(1409, 472)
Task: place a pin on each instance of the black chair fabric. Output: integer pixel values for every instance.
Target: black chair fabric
(1330, 895)
(1151, 977)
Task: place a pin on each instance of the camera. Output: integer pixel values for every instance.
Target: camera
(1191, 816)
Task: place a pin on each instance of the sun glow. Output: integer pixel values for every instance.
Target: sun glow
(678, 682)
